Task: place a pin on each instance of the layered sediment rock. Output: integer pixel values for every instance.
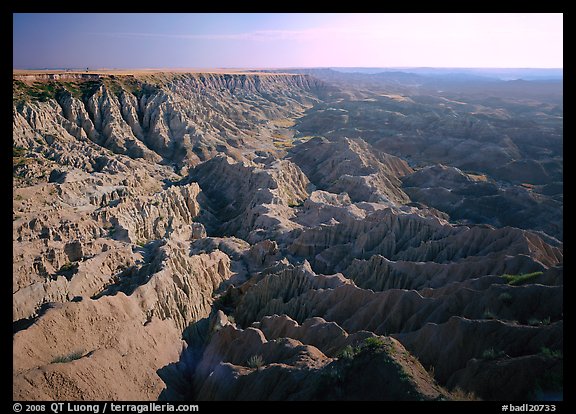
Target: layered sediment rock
(353, 167)
(476, 199)
(252, 201)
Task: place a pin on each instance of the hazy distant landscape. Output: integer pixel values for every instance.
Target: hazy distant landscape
(285, 232)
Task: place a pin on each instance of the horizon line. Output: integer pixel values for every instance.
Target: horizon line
(284, 67)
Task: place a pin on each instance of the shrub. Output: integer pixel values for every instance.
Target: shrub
(347, 353)
(374, 342)
(68, 358)
(517, 280)
(255, 361)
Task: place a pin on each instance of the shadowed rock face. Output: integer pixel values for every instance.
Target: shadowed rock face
(466, 198)
(195, 236)
(280, 363)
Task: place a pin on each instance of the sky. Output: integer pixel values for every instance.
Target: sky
(287, 40)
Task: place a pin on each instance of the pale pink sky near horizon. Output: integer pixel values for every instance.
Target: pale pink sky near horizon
(514, 40)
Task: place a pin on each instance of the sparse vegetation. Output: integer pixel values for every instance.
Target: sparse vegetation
(42, 91)
(68, 358)
(348, 352)
(306, 138)
(294, 204)
(284, 122)
(505, 298)
(539, 322)
(491, 353)
(19, 159)
(549, 353)
(378, 352)
(520, 279)
(18, 151)
(81, 89)
(282, 144)
(460, 395)
(374, 343)
(255, 361)
(488, 314)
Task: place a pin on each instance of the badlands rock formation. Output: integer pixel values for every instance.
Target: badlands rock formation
(203, 236)
(475, 199)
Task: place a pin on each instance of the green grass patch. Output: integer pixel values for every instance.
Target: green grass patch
(374, 343)
(42, 91)
(520, 279)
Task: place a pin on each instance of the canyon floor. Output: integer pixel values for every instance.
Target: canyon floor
(261, 235)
